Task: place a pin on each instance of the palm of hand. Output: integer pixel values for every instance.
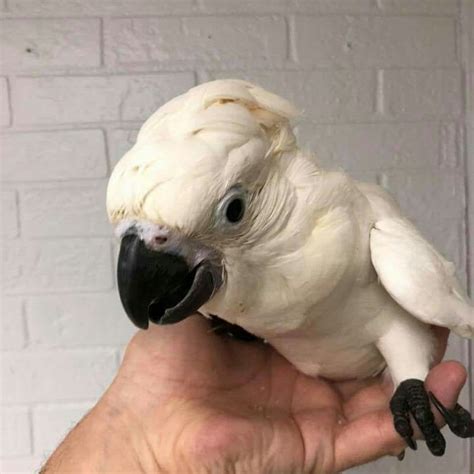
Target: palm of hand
(209, 403)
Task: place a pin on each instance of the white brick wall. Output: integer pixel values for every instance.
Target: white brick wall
(50, 43)
(52, 422)
(16, 432)
(387, 90)
(84, 99)
(421, 94)
(47, 150)
(196, 40)
(4, 103)
(78, 209)
(323, 95)
(56, 265)
(375, 41)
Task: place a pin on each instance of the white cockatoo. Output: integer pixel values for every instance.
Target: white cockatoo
(219, 210)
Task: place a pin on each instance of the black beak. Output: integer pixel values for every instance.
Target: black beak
(160, 287)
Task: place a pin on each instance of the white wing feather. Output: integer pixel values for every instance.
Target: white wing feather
(418, 278)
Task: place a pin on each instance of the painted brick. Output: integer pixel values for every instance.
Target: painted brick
(78, 210)
(9, 219)
(16, 438)
(52, 423)
(325, 95)
(64, 8)
(419, 6)
(45, 100)
(13, 334)
(377, 145)
(454, 461)
(25, 465)
(448, 237)
(77, 320)
(196, 39)
(48, 43)
(416, 94)
(59, 155)
(375, 41)
(57, 265)
(450, 144)
(4, 103)
(121, 353)
(48, 376)
(119, 142)
(428, 196)
(468, 13)
(365, 175)
(244, 6)
(313, 6)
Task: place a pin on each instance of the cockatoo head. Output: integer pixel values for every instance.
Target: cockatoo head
(195, 186)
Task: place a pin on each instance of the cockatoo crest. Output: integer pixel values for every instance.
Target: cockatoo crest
(209, 138)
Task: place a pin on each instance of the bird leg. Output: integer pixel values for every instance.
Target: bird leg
(411, 398)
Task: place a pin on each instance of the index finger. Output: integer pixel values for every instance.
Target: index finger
(373, 435)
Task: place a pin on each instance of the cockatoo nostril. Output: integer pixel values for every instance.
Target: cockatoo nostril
(160, 240)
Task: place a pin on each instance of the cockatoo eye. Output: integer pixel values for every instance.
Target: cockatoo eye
(231, 209)
(235, 210)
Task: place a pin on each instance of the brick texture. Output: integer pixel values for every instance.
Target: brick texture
(120, 141)
(16, 439)
(375, 41)
(385, 89)
(77, 320)
(422, 94)
(10, 227)
(13, 326)
(401, 145)
(65, 8)
(326, 96)
(78, 209)
(45, 100)
(319, 6)
(4, 103)
(419, 6)
(40, 156)
(57, 265)
(50, 43)
(25, 464)
(42, 376)
(200, 39)
(52, 423)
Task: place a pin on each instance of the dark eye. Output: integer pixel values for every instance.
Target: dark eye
(231, 209)
(235, 210)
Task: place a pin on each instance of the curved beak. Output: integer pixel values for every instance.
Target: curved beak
(159, 286)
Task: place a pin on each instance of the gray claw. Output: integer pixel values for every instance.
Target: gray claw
(411, 443)
(458, 419)
(401, 455)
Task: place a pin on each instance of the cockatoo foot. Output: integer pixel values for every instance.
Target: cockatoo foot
(458, 419)
(411, 398)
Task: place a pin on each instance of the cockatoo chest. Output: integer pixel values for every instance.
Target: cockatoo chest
(319, 306)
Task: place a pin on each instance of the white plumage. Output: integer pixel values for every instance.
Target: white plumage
(324, 268)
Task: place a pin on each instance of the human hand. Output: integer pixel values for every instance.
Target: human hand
(196, 402)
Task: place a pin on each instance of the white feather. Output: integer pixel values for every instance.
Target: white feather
(418, 278)
(300, 269)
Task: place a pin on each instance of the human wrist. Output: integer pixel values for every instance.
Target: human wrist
(106, 440)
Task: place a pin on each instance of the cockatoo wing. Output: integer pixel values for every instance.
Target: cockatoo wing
(418, 278)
